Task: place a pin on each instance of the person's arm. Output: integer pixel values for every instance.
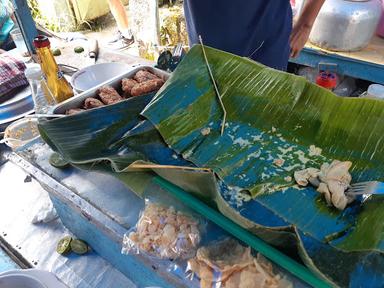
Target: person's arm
(13, 17)
(302, 27)
(10, 10)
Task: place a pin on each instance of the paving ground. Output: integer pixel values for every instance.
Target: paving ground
(105, 27)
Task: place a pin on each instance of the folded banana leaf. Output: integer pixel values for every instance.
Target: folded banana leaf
(271, 116)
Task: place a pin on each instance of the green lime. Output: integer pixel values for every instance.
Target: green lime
(64, 245)
(56, 52)
(79, 246)
(78, 49)
(56, 160)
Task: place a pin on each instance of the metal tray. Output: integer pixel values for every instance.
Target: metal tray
(78, 100)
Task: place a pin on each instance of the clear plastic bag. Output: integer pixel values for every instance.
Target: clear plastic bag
(227, 264)
(164, 232)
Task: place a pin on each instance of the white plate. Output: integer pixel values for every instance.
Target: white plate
(47, 278)
(94, 75)
(20, 280)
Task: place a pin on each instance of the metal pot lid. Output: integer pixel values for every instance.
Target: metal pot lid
(16, 107)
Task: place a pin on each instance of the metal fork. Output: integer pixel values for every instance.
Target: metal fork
(178, 50)
(366, 188)
(177, 55)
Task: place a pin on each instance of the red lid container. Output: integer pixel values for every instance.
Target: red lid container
(327, 80)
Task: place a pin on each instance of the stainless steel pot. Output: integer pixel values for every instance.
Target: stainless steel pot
(346, 25)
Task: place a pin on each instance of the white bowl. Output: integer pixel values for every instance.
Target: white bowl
(21, 132)
(18, 281)
(48, 279)
(94, 75)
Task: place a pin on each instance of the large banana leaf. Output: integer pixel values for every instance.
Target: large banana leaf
(271, 115)
(274, 115)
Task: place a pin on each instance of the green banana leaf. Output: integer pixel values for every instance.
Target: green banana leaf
(259, 99)
(274, 115)
(270, 115)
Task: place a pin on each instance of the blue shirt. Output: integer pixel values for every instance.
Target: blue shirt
(6, 23)
(258, 29)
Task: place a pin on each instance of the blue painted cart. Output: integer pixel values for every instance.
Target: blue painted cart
(99, 208)
(367, 64)
(105, 234)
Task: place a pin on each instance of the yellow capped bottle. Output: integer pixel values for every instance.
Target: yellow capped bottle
(59, 87)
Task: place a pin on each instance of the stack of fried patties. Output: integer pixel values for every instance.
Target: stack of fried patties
(143, 82)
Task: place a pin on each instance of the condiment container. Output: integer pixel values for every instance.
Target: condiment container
(57, 84)
(375, 91)
(41, 95)
(327, 80)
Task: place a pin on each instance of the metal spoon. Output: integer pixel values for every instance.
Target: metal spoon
(10, 139)
(45, 116)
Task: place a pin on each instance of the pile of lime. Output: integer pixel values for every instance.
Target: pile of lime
(69, 244)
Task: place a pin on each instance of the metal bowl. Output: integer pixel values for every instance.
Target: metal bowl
(346, 25)
(93, 75)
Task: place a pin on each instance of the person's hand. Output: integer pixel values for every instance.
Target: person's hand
(299, 36)
(2, 51)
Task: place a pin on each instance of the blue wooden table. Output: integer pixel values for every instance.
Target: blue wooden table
(367, 64)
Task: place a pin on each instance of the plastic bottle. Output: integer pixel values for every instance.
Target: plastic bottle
(309, 73)
(41, 95)
(346, 87)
